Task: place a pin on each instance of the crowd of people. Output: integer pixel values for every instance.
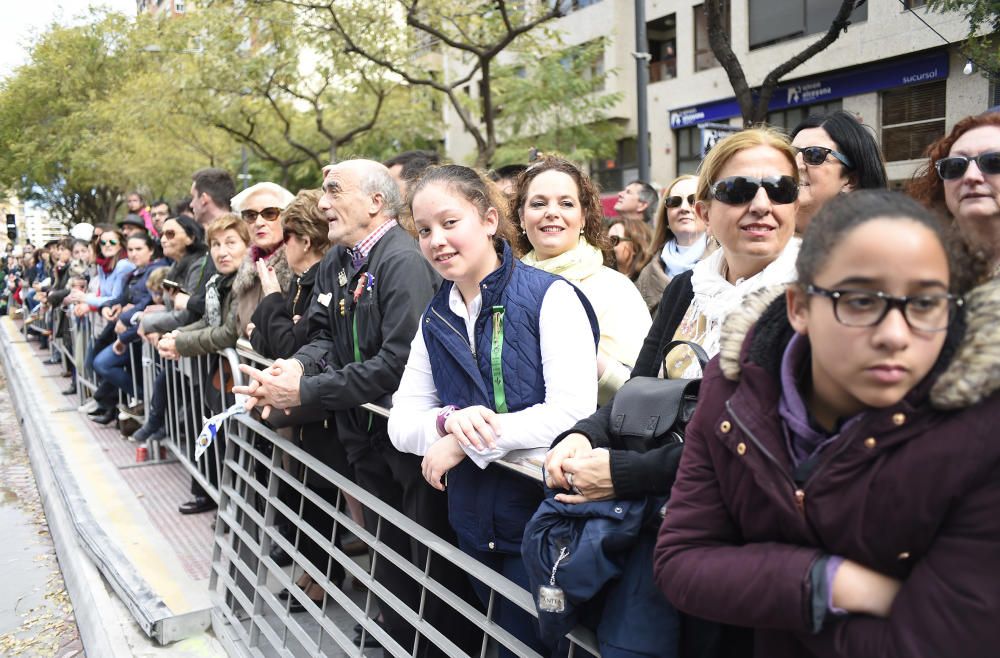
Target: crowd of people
(833, 492)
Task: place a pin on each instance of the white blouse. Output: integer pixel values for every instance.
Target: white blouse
(569, 368)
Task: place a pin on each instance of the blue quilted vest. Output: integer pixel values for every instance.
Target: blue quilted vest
(490, 508)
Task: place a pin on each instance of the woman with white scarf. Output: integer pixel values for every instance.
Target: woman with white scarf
(562, 233)
(680, 241)
(748, 196)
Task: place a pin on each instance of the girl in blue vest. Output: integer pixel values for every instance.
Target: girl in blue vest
(505, 360)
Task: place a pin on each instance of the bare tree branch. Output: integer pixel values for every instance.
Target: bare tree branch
(754, 103)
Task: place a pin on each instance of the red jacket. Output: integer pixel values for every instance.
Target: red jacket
(911, 491)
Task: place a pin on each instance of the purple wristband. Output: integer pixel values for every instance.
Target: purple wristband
(442, 417)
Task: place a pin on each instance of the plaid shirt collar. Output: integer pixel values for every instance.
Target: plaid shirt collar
(361, 250)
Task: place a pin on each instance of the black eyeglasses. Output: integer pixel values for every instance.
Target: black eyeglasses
(955, 166)
(867, 308)
(676, 201)
(269, 214)
(736, 190)
(816, 155)
(617, 239)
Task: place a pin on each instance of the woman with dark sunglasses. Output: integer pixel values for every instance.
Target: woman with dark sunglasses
(747, 196)
(962, 180)
(836, 155)
(841, 475)
(630, 243)
(679, 242)
(260, 206)
(112, 270)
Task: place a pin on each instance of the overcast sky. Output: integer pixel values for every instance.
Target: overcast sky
(25, 19)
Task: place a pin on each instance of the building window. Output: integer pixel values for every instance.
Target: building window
(912, 118)
(688, 150)
(611, 175)
(704, 58)
(569, 6)
(662, 48)
(772, 21)
(179, 6)
(787, 119)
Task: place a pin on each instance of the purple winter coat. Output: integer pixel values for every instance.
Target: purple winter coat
(911, 491)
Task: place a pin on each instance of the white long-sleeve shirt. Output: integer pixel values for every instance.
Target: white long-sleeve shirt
(569, 368)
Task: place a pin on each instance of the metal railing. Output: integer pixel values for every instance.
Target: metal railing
(262, 480)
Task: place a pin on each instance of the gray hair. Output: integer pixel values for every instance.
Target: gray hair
(374, 178)
(650, 196)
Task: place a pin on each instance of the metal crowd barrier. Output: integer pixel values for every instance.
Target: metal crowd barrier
(243, 472)
(198, 387)
(245, 579)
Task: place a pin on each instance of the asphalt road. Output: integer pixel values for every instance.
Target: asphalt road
(36, 616)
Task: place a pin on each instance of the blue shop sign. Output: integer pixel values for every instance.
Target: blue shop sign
(912, 71)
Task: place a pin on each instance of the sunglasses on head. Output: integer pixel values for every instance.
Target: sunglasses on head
(817, 155)
(269, 214)
(955, 166)
(109, 241)
(617, 240)
(676, 201)
(737, 190)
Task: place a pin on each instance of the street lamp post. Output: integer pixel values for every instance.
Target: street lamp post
(642, 58)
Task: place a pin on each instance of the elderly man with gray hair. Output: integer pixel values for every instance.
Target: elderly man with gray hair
(371, 289)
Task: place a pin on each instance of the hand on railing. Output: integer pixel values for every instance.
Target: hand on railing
(277, 387)
(81, 310)
(443, 455)
(167, 347)
(111, 313)
(574, 465)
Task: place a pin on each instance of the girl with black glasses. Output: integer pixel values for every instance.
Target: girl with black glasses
(840, 478)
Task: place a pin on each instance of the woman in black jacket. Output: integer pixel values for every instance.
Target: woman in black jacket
(181, 239)
(276, 332)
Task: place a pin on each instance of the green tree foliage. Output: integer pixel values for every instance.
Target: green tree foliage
(290, 93)
(555, 102)
(452, 47)
(76, 132)
(983, 43)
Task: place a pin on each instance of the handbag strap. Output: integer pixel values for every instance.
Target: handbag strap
(699, 351)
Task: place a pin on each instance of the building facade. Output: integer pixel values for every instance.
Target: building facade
(162, 7)
(890, 69)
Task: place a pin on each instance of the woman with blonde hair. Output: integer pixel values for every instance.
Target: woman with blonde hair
(679, 242)
(747, 195)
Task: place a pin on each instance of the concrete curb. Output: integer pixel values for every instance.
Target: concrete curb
(92, 604)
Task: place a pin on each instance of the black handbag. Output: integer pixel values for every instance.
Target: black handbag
(649, 412)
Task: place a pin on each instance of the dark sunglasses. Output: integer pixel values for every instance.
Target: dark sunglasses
(111, 242)
(676, 201)
(170, 235)
(617, 240)
(817, 155)
(269, 214)
(955, 166)
(737, 190)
